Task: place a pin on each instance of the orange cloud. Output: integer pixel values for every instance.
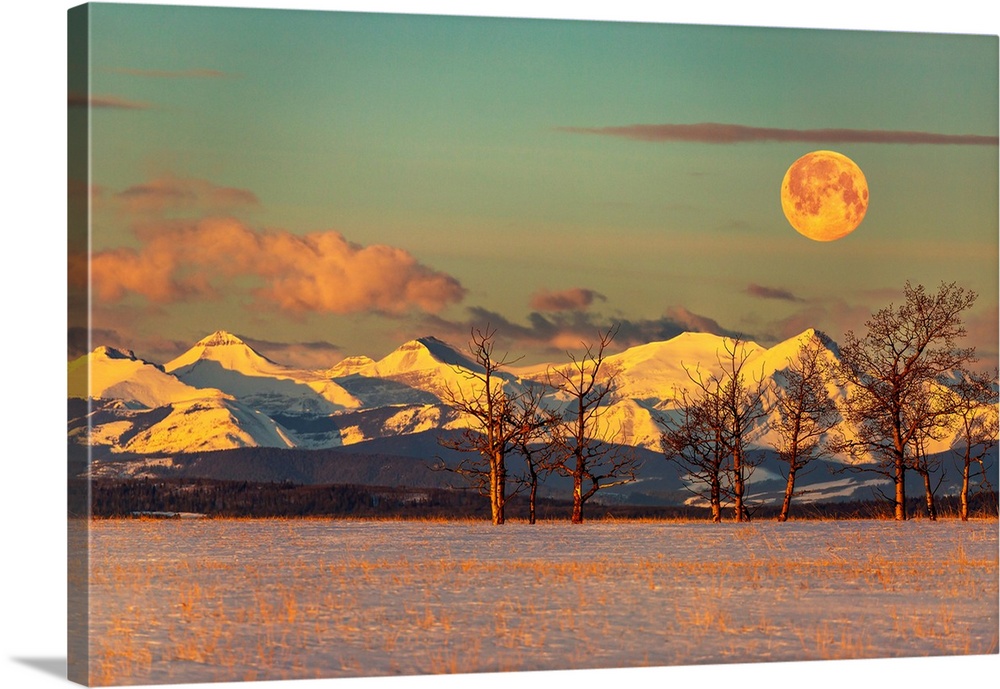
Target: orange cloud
(83, 100)
(308, 355)
(317, 272)
(693, 322)
(835, 316)
(762, 292)
(564, 300)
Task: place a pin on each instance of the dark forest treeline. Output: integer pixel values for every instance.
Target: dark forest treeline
(214, 498)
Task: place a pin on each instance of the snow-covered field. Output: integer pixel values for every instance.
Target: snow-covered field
(223, 600)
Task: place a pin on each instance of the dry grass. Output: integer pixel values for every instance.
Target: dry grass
(747, 595)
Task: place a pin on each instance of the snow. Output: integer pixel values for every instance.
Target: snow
(225, 348)
(224, 361)
(414, 420)
(844, 488)
(118, 374)
(422, 371)
(350, 366)
(204, 425)
(218, 600)
(110, 433)
(350, 435)
(627, 418)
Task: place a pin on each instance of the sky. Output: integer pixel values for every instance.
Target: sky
(326, 184)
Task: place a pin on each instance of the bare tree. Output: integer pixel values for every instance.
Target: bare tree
(693, 439)
(976, 417)
(886, 372)
(583, 444)
(805, 413)
(497, 423)
(715, 423)
(743, 404)
(533, 442)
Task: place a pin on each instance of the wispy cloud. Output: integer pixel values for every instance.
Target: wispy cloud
(716, 133)
(83, 100)
(169, 192)
(320, 272)
(310, 355)
(833, 315)
(688, 321)
(131, 336)
(81, 340)
(556, 333)
(564, 300)
(762, 292)
(982, 327)
(198, 73)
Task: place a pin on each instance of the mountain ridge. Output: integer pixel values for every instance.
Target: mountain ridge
(258, 402)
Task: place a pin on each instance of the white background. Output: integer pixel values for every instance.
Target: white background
(33, 388)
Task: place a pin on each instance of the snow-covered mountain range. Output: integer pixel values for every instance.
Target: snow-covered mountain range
(222, 394)
(221, 409)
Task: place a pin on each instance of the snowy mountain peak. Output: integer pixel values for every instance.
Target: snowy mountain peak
(349, 366)
(700, 339)
(220, 338)
(442, 351)
(421, 354)
(812, 334)
(224, 348)
(117, 374)
(226, 362)
(789, 348)
(114, 353)
(825, 340)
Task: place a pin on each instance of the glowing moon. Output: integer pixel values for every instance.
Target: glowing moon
(824, 195)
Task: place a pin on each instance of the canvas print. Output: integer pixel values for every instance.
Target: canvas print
(412, 345)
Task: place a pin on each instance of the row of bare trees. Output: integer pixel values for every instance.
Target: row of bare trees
(888, 396)
(719, 415)
(508, 419)
(906, 383)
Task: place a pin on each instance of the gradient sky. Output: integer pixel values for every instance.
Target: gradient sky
(327, 183)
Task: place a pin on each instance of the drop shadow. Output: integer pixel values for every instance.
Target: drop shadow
(50, 666)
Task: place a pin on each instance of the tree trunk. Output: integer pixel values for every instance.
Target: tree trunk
(498, 489)
(789, 490)
(531, 498)
(738, 486)
(964, 513)
(502, 492)
(577, 499)
(715, 497)
(497, 510)
(929, 493)
(899, 477)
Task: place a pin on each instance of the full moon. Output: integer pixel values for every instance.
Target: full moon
(824, 195)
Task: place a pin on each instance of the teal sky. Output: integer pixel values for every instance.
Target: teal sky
(460, 143)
